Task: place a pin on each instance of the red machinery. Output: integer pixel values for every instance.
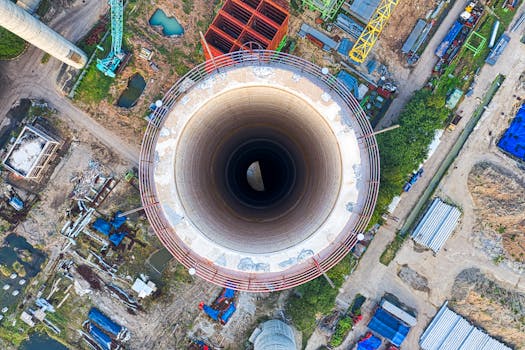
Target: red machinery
(258, 24)
(222, 308)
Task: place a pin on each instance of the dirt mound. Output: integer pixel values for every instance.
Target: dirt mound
(413, 279)
(399, 26)
(486, 303)
(499, 207)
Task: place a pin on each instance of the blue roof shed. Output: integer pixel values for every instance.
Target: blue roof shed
(116, 238)
(102, 226)
(96, 316)
(388, 327)
(513, 141)
(100, 337)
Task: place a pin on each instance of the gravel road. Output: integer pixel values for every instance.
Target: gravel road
(27, 77)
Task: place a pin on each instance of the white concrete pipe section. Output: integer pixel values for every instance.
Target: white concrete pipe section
(17, 20)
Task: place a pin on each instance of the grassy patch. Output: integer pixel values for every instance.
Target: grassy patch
(94, 86)
(341, 330)
(44, 6)
(177, 59)
(187, 6)
(316, 298)
(45, 58)
(14, 335)
(391, 250)
(11, 45)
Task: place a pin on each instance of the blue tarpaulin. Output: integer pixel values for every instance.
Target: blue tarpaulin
(225, 317)
(388, 327)
(513, 141)
(344, 46)
(214, 314)
(349, 81)
(102, 226)
(118, 221)
(16, 203)
(116, 238)
(452, 34)
(229, 293)
(96, 316)
(100, 337)
(372, 343)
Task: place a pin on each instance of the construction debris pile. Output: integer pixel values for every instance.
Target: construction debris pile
(92, 185)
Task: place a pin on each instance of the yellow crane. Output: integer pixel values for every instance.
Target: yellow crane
(373, 29)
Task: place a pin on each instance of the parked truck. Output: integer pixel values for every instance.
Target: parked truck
(413, 179)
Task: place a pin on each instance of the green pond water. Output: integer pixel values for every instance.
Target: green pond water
(39, 341)
(170, 26)
(16, 249)
(159, 260)
(135, 88)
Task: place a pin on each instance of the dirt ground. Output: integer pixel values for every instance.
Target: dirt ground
(401, 23)
(495, 308)
(304, 47)
(462, 250)
(499, 207)
(251, 308)
(45, 218)
(172, 56)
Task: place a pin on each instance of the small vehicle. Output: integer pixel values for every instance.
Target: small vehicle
(413, 179)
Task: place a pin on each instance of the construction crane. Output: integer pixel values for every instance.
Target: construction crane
(373, 29)
(109, 65)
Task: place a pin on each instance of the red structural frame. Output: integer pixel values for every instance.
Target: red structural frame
(251, 281)
(239, 23)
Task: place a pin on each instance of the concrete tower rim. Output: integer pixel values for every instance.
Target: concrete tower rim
(311, 267)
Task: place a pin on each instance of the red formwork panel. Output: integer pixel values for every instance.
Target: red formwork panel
(241, 22)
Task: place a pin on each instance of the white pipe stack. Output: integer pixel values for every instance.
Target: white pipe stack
(17, 20)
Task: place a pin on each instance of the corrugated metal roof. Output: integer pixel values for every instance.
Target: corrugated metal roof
(364, 9)
(450, 331)
(398, 312)
(275, 335)
(328, 42)
(416, 32)
(437, 225)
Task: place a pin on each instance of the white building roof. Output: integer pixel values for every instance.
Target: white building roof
(437, 225)
(393, 205)
(28, 151)
(143, 289)
(450, 331)
(27, 318)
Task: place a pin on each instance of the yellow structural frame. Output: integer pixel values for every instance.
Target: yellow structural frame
(373, 29)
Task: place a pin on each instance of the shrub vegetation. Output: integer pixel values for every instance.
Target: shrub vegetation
(316, 298)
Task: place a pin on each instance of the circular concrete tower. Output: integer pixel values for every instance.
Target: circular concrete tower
(259, 171)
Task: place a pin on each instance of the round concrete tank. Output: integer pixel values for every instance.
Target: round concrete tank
(275, 335)
(259, 171)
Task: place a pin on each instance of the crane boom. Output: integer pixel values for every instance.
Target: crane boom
(109, 65)
(373, 29)
(117, 25)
